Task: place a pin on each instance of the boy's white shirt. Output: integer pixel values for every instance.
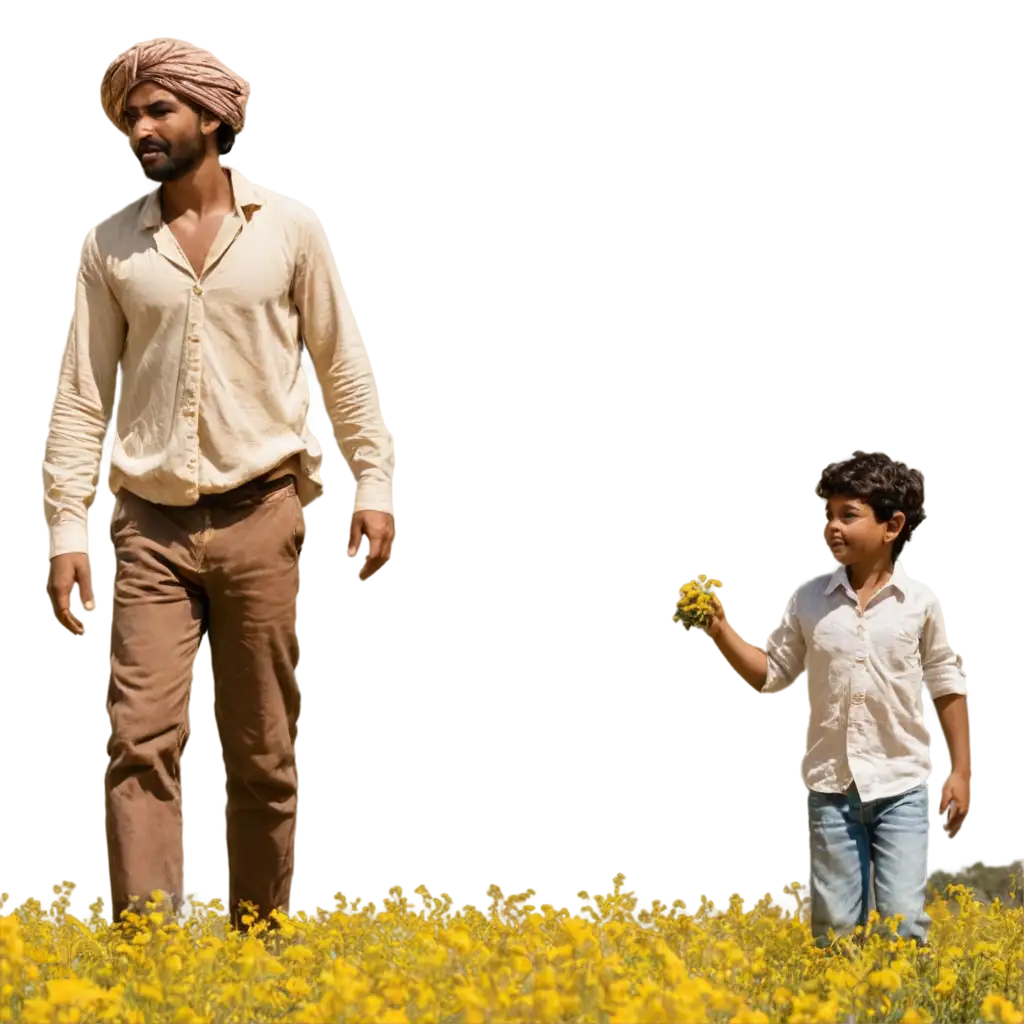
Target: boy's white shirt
(865, 672)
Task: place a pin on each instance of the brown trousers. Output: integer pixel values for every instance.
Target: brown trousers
(228, 566)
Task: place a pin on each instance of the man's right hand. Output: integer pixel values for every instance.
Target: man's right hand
(65, 571)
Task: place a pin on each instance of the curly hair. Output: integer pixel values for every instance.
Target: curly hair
(886, 486)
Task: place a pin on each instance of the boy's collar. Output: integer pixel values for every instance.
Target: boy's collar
(898, 580)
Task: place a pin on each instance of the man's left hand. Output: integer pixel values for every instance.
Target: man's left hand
(379, 528)
(956, 791)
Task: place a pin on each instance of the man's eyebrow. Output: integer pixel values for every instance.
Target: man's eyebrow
(155, 103)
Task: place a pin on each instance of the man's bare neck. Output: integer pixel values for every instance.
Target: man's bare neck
(204, 192)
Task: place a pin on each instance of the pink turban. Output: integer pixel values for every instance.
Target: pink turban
(180, 68)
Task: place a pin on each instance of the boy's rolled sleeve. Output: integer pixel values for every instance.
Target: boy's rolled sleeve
(940, 665)
(786, 650)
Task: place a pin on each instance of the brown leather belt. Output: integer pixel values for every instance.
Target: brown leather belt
(247, 492)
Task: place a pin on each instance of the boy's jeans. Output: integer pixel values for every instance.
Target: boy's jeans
(846, 836)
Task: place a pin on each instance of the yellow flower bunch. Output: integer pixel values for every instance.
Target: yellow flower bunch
(695, 607)
(514, 961)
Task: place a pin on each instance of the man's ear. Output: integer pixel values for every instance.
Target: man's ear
(208, 123)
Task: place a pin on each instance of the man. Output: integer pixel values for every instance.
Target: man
(204, 292)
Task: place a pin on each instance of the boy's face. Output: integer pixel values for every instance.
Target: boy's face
(852, 532)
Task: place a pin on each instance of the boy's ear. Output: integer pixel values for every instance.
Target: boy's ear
(897, 521)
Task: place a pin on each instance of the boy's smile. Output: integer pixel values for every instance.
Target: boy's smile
(852, 532)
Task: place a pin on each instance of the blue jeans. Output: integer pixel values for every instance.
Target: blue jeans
(846, 837)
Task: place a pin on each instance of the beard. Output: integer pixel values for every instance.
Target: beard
(177, 161)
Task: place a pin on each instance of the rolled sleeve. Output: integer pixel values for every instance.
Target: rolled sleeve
(342, 366)
(83, 406)
(942, 668)
(786, 650)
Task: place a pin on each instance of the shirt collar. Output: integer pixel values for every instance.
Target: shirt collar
(247, 199)
(898, 580)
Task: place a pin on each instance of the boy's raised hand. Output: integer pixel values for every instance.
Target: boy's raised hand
(717, 624)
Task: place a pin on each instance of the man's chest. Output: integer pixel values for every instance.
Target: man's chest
(202, 274)
(195, 238)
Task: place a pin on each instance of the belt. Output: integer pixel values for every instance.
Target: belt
(247, 492)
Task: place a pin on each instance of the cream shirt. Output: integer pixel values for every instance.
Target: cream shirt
(864, 675)
(212, 390)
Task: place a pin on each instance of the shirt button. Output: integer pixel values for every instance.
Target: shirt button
(858, 698)
(197, 289)
(861, 657)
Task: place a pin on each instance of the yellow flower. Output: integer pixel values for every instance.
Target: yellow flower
(513, 962)
(995, 1007)
(696, 606)
(184, 1015)
(886, 979)
(745, 1015)
(914, 1015)
(458, 938)
(632, 1010)
(151, 992)
(73, 990)
(35, 1011)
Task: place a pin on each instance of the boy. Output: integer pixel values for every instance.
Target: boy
(868, 636)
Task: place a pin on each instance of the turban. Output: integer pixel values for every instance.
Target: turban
(181, 68)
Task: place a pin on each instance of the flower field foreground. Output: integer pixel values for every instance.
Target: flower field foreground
(513, 963)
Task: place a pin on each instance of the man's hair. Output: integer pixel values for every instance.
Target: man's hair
(886, 486)
(225, 134)
(225, 138)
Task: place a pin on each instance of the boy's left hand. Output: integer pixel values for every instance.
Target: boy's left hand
(955, 792)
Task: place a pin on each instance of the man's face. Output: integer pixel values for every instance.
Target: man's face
(166, 134)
